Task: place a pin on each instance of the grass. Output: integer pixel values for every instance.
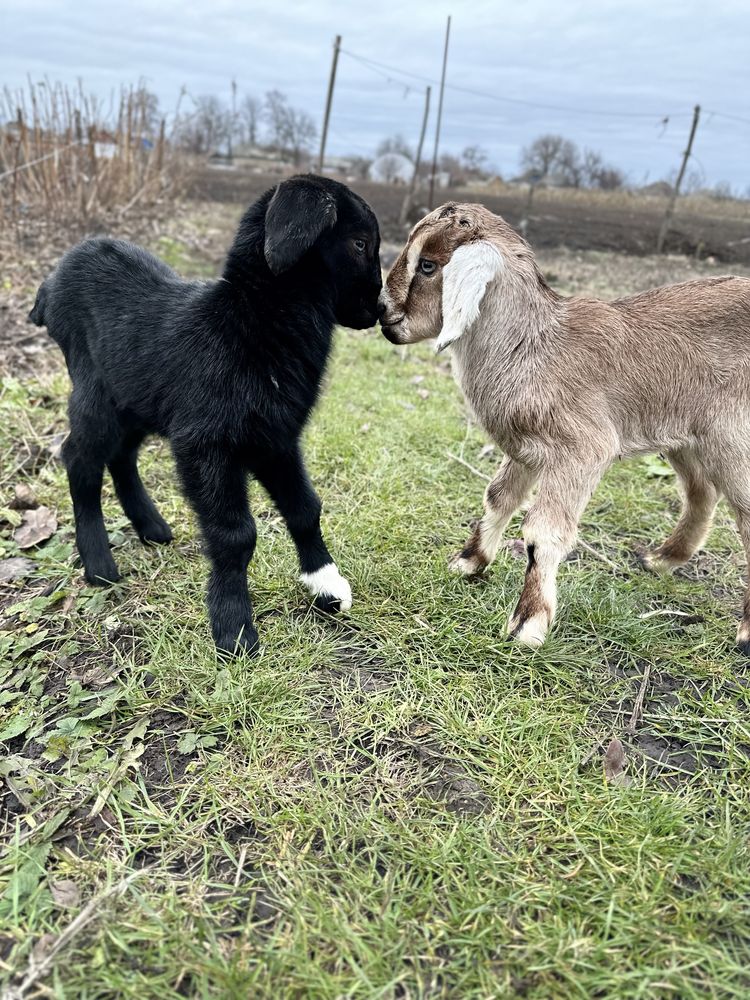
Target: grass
(393, 804)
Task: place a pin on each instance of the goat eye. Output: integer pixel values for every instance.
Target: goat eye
(427, 266)
(359, 246)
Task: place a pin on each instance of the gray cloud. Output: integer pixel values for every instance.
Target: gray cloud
(616, 58)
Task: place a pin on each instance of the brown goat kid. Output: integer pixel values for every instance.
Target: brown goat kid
(566, 386)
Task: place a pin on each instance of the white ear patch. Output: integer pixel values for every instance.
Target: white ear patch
(465, 280)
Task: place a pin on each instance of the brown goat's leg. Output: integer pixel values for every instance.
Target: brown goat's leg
(742, 513)
(502, 497)
(549, 530)
(700, 497)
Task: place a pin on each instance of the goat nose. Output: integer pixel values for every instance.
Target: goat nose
(381, 307)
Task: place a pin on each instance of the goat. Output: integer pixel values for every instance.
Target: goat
(227, 370)
(566, 386)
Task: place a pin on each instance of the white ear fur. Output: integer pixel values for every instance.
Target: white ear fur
(465, 280)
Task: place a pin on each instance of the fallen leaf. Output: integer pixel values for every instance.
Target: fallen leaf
(15, 568)
(38, 525)
(97, 677)
(187, 743)
(423, 393)
(23, 498)
(65, 893)
(614, 763)
(43, 947)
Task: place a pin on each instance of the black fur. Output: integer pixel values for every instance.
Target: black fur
(228, 371)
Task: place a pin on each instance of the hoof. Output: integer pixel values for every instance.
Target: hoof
(330, 590)
(330, 604)
(743, 638)
(103, 575)
(465, 564)
(156, 533)
(654, 562)
(529, 631)
(244, 644)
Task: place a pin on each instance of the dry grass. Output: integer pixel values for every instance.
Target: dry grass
(69, 162)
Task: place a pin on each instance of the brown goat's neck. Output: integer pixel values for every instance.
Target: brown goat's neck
(500, 362)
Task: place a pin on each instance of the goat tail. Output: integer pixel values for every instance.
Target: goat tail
(36, 315)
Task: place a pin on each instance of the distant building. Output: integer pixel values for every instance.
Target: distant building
(391, 168)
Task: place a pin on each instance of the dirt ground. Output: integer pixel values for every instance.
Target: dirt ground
(621, 222)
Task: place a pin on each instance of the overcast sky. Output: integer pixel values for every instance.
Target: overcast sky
(634, 62)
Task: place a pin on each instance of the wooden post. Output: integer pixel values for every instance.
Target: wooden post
(329, 101)
(408, 200)
(676, 190)
(439, 117)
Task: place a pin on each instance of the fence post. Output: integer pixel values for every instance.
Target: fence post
(408, 200)
(329, 101)
(676, 190)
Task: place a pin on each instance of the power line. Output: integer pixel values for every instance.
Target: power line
(375, 65)
(724, 114)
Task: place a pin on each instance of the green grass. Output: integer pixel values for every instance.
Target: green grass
(396, 803)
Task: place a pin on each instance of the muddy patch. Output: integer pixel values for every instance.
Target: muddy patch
(412, 760)
(675, 726)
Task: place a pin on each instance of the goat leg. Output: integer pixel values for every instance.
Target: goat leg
(503, 496)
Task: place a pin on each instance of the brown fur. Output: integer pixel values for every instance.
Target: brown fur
(568, 385)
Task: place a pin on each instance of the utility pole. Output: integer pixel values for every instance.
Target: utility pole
(329, 101)
(439, 117)
(408, 200)
(233, 123)
(676, 190)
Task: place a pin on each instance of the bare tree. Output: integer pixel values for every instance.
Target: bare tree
(292, 131)
(452, 166)
(147, 103)
(360, 167)
(542, 155)
(569, 164)
(395, 144)
(474, 158)
(610, 179)
(207, 127)
(250, 113)
(592, 164)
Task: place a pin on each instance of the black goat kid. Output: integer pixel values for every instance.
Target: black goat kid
(228, 371)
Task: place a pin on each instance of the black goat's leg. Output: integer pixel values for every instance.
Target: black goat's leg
(216, 488)
(284, 475)
(135, 501)
(85, 468)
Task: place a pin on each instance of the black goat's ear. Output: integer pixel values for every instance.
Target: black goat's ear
(298, 213)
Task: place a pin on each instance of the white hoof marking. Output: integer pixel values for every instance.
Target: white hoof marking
(465, 567)
(327, 580)
(533, 632)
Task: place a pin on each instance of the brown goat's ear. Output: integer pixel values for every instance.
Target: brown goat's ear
(299, 211)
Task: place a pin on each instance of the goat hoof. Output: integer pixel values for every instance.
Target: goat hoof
(229, 643)
(103, 575)
(329, 589)
(156, 533)
(654, 562)
(528, 631)
(466, 564)
(743, 638)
